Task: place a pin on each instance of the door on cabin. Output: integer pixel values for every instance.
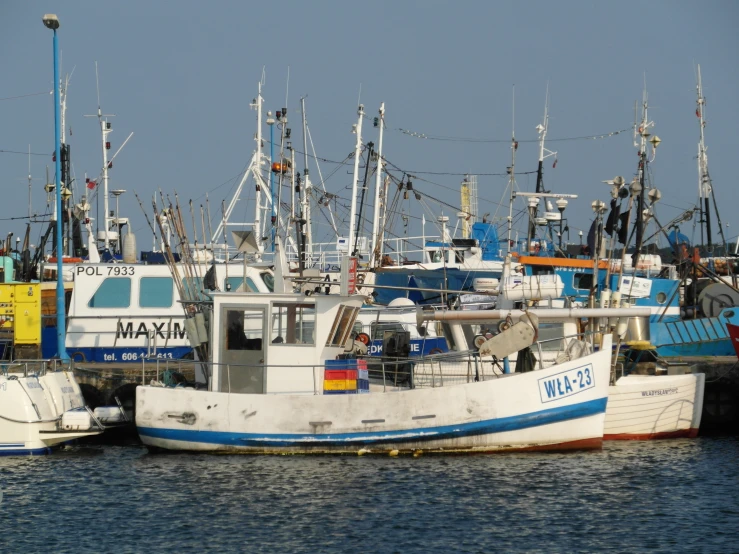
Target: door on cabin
(242, 368)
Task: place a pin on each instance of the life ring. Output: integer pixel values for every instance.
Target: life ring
(436, 351)
(364, 338)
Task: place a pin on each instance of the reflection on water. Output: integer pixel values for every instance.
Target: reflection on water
(631, 496)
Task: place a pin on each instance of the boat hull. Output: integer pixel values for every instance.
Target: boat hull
(646, 407)
(675, 337)
(734, 334)
(31, 408)
(516, 412)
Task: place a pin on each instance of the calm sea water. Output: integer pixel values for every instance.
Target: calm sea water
(669, 496)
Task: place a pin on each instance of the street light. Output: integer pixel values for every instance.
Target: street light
(51, 21)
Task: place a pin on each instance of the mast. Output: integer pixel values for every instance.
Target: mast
(306, 190)
(643, 132)
(105, 129)
(66, 177)
(355, 177)
(282, 122)
(512, 173)
(544, 153)
(30, 209)
(704, 181)
(257, 104)
(375, 261)
(260, 183)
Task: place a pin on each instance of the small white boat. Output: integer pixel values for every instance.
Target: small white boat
(266, 393)
(41, 409)
(642, 407)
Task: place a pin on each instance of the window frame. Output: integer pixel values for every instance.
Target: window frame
(102, 284)
(171, 291)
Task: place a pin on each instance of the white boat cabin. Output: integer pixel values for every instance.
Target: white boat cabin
(129, 312)
(277, 343)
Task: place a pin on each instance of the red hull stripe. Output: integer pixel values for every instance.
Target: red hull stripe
(683, 433)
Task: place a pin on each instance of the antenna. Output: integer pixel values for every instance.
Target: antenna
(30, 210)
(287, 85)
(97, 85)
(105, 129)
(512, 169)
(513, 112)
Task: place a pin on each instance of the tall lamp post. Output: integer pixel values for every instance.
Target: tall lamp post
(51, 21)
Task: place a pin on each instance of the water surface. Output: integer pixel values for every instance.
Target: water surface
(666, 496)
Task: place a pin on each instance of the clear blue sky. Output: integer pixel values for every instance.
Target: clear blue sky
(180, 75)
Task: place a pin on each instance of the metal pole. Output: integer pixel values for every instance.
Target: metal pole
(60, 314)
(375, 250)
(355, 177)
(272, 182)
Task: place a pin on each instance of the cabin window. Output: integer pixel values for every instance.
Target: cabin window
(244, 329)
(342, 326)
(114, 292)
(583, 281)
(155, 292)
(269, 280)
(358, 328)
(236, 282)
(293, 323)
(378, 328)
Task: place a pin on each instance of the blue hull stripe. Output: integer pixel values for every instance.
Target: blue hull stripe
(133, 354)
(498, 425)
(25, 452)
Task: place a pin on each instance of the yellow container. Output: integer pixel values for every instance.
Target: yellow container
(20, 309)
(340, 384)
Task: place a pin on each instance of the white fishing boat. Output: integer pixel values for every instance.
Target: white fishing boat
(259, 400)
(643, 407)
(131, 312)
(41, 409)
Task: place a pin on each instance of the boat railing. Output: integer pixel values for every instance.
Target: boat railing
(385, 373)
(327, 256)
(33, 366)
(468, 366)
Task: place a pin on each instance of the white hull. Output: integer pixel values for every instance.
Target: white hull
(642, 407)
(544, 410)
(32, 409)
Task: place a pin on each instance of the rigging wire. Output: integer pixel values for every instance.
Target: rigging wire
(506, 141)
(24, 153)
(27, 95)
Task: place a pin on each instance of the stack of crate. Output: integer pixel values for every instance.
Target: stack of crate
(345, 377)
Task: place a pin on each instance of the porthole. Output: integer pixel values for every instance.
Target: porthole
(661, 298)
